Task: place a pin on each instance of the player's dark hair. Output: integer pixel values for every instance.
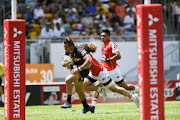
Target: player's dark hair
(68, 41)
(106, 31)
(85, 46)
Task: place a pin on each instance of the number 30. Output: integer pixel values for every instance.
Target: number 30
(47, 76)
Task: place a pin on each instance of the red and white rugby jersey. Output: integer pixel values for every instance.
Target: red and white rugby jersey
(108, 51)
(95, 67)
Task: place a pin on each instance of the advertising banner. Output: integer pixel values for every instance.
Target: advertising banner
(50, 94)
(39, 73)
(55, 94)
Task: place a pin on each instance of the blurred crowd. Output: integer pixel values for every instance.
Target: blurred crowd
(59, 18)
(172, 10)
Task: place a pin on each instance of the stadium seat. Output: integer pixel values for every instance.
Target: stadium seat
(37, 28)
(49, 16)
(112, 4)
(19, 16)
(74, 26)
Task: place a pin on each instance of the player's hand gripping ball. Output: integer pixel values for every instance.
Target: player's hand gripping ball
(66, 58)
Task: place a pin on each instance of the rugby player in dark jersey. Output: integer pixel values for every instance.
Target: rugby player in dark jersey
(82, 60)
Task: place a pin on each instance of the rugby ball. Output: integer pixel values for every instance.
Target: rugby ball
(66, 58)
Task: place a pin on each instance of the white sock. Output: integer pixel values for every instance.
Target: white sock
(132, 98)
(99, 89)
(136, 88)
(94, 100)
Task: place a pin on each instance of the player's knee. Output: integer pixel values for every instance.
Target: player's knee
(79, 91)
(84, 88)
(68, 81)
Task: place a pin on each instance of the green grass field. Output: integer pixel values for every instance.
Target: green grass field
(106, 111)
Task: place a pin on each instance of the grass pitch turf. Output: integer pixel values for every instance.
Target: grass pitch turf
(105, 111)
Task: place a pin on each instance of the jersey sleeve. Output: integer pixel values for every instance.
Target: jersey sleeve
(114, 47)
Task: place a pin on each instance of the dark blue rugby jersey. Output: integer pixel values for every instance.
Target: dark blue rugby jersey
(77, 55)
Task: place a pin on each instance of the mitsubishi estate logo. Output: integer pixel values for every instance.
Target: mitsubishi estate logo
(138, 20)
(16, 32)
(152, 19)
(5, 32)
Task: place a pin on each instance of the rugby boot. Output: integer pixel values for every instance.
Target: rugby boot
(92, 109)
(66, 105)
(136, 100)
(89, 108)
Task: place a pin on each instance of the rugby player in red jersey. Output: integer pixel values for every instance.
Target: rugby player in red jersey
(110, 54)
(99, 73)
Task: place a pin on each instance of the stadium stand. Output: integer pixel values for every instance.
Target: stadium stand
(78, 20)
(38, 12)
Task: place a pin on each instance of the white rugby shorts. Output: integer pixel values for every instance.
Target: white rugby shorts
(115, 74)
(103, 78)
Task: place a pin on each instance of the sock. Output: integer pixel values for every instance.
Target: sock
(94, 100)
(85, 104)
(136, 88)
(99, 89)
(69, 99)
(132, 98)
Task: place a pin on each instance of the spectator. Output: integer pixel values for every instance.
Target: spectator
(56, 20)
(100, 16)
(7, 7)
(79, 26)
(119, 30)
(91, 8)
(120, 9)
(60, 10)
(129, 23)
(87, 21)
(115, 18)
(75, 2)
(132, 8)
(176, 9)
(67, 26)
(107, 25)
(80, 11)
(38, 12)
(43, 23)
(66, 4)
(58, 30)
(50, 7)
(101, 6)
(134, 2)
(31, 3)
(105, 3)
(29, 14)
(47, 32)
(32, 34)
(72, 14)
(21, 7)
